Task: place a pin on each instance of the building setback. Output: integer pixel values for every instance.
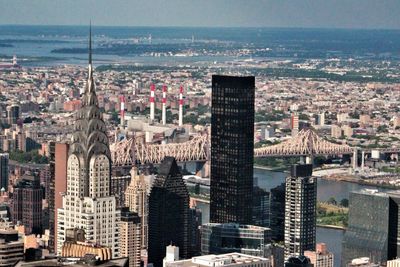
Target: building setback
(232, 145)
(300, 211)
(168, 213)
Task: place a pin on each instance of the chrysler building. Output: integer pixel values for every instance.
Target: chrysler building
(87, 204)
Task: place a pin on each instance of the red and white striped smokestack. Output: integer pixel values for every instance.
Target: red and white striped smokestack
(152, 97)
(164, 105)
(122, 110)
(181, 106)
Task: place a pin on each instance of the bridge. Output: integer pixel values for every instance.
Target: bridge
(305, 143)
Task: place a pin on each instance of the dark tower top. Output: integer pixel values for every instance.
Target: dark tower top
(168, 213)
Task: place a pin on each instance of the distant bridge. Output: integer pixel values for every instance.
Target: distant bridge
(305, 143)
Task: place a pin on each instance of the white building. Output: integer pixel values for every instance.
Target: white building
(87, 204)
(222, 260)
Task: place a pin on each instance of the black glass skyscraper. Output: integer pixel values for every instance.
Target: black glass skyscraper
(232, 144)
(168, 213)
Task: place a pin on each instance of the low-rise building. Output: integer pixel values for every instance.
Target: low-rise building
(223, 260)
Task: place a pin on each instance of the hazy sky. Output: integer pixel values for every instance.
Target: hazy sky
(269, 13)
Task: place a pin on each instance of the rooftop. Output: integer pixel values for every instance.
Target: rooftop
(218, 260)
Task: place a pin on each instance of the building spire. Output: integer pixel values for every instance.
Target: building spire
(90, 43)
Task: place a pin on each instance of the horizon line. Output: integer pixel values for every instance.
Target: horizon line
(204, 27)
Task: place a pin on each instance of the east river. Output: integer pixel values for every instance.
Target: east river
(326, 189)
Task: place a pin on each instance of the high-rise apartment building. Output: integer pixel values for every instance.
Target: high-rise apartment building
(365, 237)
(168, 213)
(4, 171)
(130, 233)
(300, 210)
(87, 203)
(58, 186)
(137, 199)
(232, 145)
(261, 207)
(27, 204)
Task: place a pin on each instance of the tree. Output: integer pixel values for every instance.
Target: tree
(344, 202)
(332, 201)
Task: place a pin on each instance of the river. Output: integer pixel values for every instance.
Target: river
(326, 189)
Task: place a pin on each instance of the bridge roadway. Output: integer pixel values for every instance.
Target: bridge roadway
(306, 143)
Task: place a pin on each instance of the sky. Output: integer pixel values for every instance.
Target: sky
(365, 14)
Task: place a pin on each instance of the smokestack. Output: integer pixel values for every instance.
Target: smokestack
(181, 106)
(152, 96)
(122, 110)
(164, 105)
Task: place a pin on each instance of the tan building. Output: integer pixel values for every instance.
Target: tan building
(396, 121)
(130, 232)
(336, 131)
(365, 119)
(136, 199)
(76, 246)
(347, 130)
(321, 257)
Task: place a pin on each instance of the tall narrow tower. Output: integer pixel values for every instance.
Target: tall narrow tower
(87, 204)
(122, 110)
(232, 145)
(164, 105)
(300, 210)
(181, 106)
(152, 99)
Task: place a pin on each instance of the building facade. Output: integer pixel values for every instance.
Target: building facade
(27, 204)
(168, 213)
(130, 235)
(364, 236)
(277, 220)
(59, 183)
(219, 238)
(11, 247)
(87, 203)
(300, 211)
(4, 158)
(137, 199)
(321, 257)
(232, 145)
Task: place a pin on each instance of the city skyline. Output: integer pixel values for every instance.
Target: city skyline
(366, 14)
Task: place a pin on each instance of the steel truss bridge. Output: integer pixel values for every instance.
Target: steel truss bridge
(305, 143)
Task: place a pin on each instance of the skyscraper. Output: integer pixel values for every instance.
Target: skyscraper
(87, 203)
(130, 236)
(232, 144)
(27, 204)
(373, 229)
(4, 171)
(300, 210)
(168, 213)
(137, 200)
